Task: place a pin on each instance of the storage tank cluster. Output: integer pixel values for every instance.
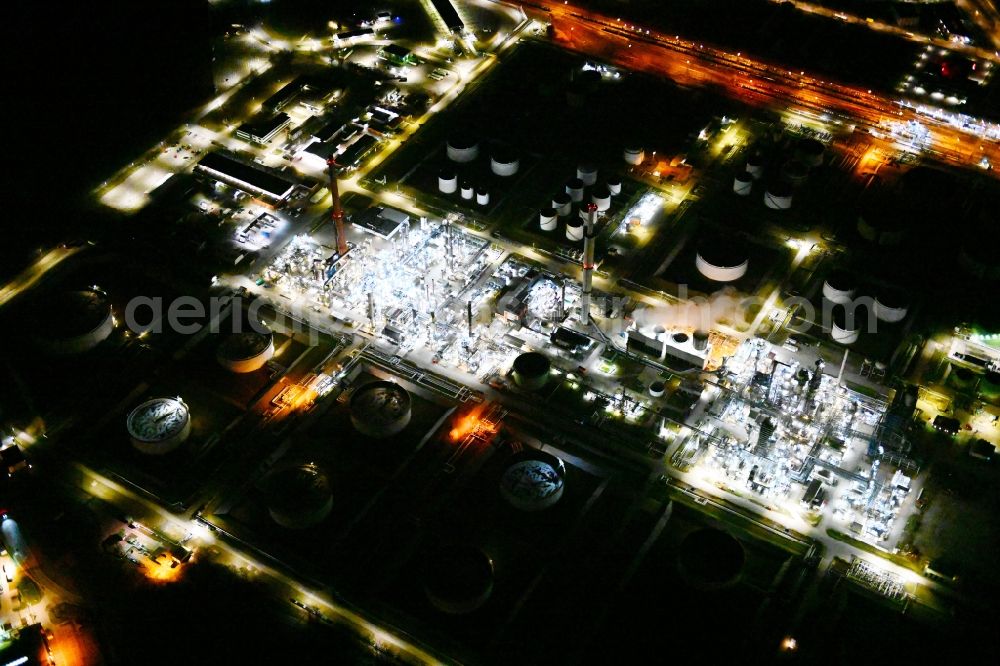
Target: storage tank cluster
(533, 480)
(299, 496)
(159, 425)
(721, 260)
(75, 321)
(457, 578)
(246, 352)
(380, 409)
(531, 370)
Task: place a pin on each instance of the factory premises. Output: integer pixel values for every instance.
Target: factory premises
(420, 339)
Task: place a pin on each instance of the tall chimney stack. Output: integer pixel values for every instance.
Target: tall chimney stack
(338, 212)
(588, 262)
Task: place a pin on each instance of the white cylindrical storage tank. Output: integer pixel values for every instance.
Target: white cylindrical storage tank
(743, 183)
(467, 190)
(699, 340)
(839, 287)
(533, 480)
(891, 305)
(721, 261)
(563, 204)
(462, 148)
(447, 181)
(574, 188)
(531, 370)
(755, 166)
(72, 322)
(614, 184)
(587, 173)
(574, 229)
(298, 497)
(778, 196)
(159, 425)
(380, 408)
(634, 155)
(504, 163)
(843, 329)
(547, 219)
(601, 197)
(246, 352)
(482, 196)
(795, 172)
(657, 389)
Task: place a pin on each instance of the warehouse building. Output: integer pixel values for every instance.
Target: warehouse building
(250, 179)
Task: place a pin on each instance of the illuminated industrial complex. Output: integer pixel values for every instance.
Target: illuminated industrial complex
(470, 331)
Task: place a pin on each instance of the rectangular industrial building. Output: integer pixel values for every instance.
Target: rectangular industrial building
(350, 35)
(357, 152)
(397, 55)
(382, 222)
(279, 100)
(263, 130)
(250, 179)
(449, 15)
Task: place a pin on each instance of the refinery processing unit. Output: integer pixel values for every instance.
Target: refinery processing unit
(480, 332)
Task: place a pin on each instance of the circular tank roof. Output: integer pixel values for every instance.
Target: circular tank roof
(841, 280)
(574, 222)
(613, 180)
(548, 212)
(810, 146)
(658, 386)
(380, 403)
(504, 156)
(892, 298)
(157, 420)
(779, 189)
(709, 557)
(67, 314)
(532, 364)
(744, 177)
(839, 314)
(447, 174)
(562, 198)
(755, 160)
(248, 344)
(533, 480)
(482, 190)
(679, 338)
(574, 183)
(600, 192)
(722, 252)
(458, 578)
(795, 168)
(462, 140)
(301, 489)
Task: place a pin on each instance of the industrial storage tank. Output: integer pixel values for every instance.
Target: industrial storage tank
(778, 196)
(462, 148)
(882, 222)
(891, 305)
(614, 184)
(482, 196)
(447, 181)
(467, 190)
(380, 408)
(533, 480)
(563, 204)
(839, 287)
(634, 155)
(587, 173)
(699, 340)
(72, 322)
(159, 425)
(755, 166)
(246, 352)
(504, 162)
(721, 260)
(657, 388)
(574, 188)
(679, 338)
(795, 172)
(601, 196)
(810, 152)
(298, 497)
(457, 578)
(547, 219)
(574, 229)
(844, 329)
(531, 370)
(743, 183)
